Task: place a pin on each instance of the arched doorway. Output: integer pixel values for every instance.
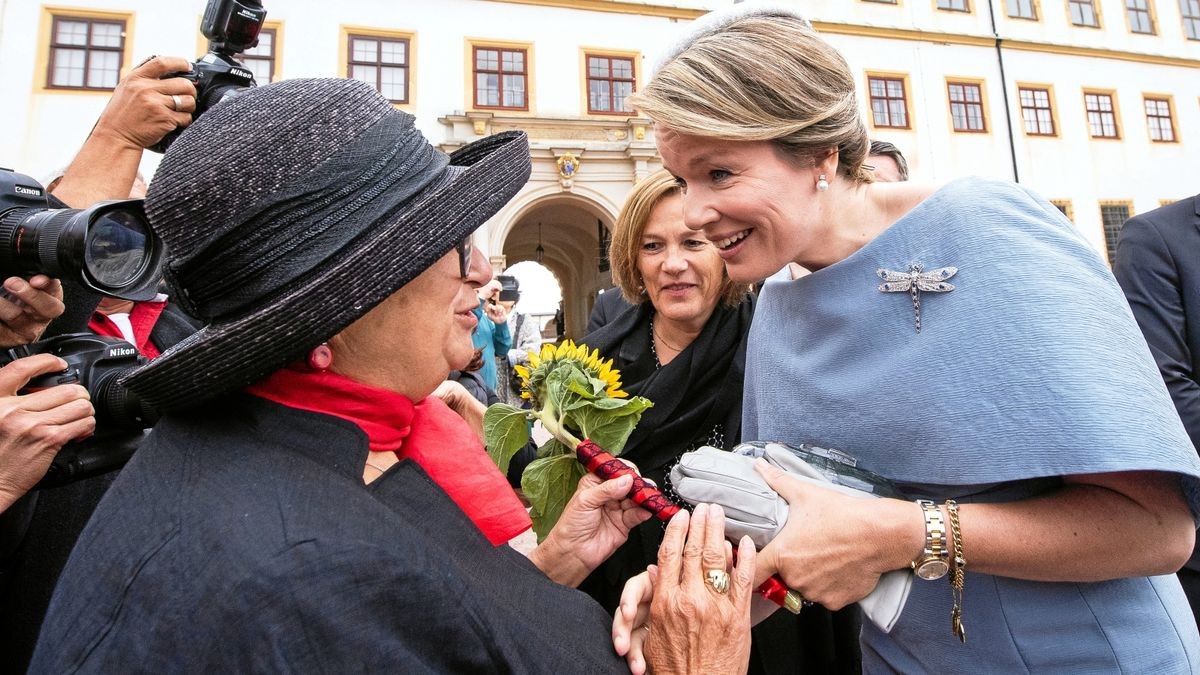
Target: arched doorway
(569, 229)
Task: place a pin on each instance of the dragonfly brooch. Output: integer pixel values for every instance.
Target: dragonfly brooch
(914, 281)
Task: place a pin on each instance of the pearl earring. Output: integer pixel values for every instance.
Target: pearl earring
(822, 184)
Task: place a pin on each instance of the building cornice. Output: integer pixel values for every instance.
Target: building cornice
(913, 35)
(616, 7)
(671, 12)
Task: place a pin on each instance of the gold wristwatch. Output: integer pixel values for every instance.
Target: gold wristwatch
(934, 562)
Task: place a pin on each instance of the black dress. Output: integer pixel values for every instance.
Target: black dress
(241, 538)
(698, 401)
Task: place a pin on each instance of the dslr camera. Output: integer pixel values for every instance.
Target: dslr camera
(95, 362)
(231, 27)
(107, 247)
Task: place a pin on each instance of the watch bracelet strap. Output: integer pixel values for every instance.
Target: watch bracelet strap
(936, 544)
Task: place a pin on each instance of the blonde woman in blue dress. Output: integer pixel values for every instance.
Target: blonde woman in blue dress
(962, 340)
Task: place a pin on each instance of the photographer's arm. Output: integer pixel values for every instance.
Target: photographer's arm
(33, 427)
(140, 112)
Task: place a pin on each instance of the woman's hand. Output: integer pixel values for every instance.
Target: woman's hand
(593, 524)
(835, 547)
(632, 620)
(458, 399)
(694, 628)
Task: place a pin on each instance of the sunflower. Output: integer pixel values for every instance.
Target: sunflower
(551, 357)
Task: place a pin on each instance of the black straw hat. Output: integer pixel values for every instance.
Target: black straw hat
(292, 210)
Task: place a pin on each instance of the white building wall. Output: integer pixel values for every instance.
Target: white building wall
(43, 129)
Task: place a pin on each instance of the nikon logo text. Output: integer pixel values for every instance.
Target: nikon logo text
(32, 192)
(241, 73)
(122, 351)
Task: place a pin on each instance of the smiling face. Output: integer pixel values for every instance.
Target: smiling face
(760, 209)
(681, 270)
(411, 341)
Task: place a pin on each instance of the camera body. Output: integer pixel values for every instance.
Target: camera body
(94, 362)
(107, 247)
(510, 288)
(97, 363)
(231, 27)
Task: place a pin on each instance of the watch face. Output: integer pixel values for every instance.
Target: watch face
(932, 569)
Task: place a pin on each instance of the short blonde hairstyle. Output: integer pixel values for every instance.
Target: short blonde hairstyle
(763, 78)
(626, 245)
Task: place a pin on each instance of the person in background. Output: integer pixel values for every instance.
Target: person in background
(887, 164)
(963, 341)
(1157, 263)
(526, 339)
(492, 335)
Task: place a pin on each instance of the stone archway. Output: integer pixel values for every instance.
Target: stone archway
(570, 227)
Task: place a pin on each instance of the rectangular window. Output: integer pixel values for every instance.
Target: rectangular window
(261, 59)
(500, 78)
(954, 5)
(381, 62)
(1158, 118)
(1101, 115)
(1190, 10)
(1140, 20)
(1113, 216)
(1036, 111)
(610, 80)
(966, 106)
(1022, 9)
(889, 107)
(85, 53)
(1083, 13)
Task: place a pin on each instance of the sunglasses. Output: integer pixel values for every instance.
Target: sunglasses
(466, 251)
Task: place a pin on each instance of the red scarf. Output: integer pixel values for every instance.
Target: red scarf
(429, 433)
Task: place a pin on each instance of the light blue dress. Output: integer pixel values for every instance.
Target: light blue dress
(1031, 368)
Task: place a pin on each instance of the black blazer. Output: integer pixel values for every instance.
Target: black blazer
(240, 538)
(609, 305)
(1157, 263)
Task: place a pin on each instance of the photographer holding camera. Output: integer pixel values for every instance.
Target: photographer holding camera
(33, 427)
(143, 109)
(37, 535)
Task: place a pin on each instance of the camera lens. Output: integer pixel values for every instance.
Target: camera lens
(116, 249)
(108, 247)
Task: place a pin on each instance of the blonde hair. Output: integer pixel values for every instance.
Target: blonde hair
(626, 245)
(763, 79)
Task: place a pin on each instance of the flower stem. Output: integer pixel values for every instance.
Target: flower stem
(556, 428)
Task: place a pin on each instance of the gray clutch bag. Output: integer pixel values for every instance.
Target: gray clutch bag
(753, 509)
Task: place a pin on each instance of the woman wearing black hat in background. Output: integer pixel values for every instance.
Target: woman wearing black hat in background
(304, 505)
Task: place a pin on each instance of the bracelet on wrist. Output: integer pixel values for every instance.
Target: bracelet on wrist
(958, 571)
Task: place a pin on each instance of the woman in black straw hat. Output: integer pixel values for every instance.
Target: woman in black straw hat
(304, 504)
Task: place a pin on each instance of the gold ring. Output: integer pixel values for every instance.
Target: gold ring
(718, 580)
(175, 100)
